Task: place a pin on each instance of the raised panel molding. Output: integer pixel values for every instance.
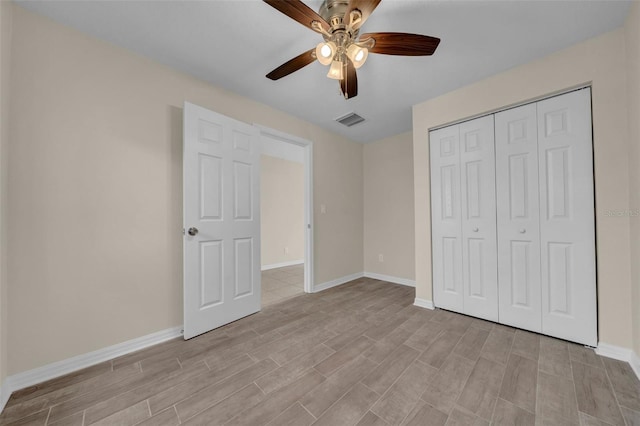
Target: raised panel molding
(243, 259)
(518, 186)
(242, 191)
(556, 122)
(520, 266)
(558, 190)
(209, 132)
(241, 141)
(212, 273)
(210, 187)
(560, 280)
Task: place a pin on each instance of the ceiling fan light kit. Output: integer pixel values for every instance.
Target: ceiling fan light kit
(339, 22)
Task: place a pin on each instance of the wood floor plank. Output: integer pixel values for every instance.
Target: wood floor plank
(584, 355)
(594, 393)
(211, 395)
(325, 395)
(349, 409)
(461, 418)
(632, 417)
(35, 419)
(626, 385)
(497, 347)
(520, 381)
(228, 408)
(385, 374)
(127, 417)
(168, 417)
(344, 355)
(425, 414)
(169, 396)
(425, 335)
(437, 353)
(554, 357)
(443, 390)
(371, 419)
(73, 420)
(160, 384)
(471, 343)
(40, 389)
(384, 347)
(394, 406)
(556, 400)
(295, 415)
(290, 371)
(278, 401)
(526, 344)
(481, 390)
(508, 414)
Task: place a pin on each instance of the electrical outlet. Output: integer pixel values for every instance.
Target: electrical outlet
(323, 209)
(286, 250)
(380, 258)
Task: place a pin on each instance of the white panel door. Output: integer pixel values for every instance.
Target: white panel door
(518, 218)
(221, 220)
(446, 232)
(478, 204)
(567, 217)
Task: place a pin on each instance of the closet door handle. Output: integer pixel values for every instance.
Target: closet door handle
(475, 229)
(522, 231)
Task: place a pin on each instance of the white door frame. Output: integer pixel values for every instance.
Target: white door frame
(308, 196)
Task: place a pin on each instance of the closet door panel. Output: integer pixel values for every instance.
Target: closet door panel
(446, 218)
(567, 217)
(478, 201)
(518, 218)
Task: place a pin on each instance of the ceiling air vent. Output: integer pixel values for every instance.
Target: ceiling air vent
(350, 119)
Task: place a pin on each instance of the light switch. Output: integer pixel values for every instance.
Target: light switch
(323, 209)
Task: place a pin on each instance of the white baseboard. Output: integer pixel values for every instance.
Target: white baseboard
(424, 303)
(338, 281)
(66, 366)
(621, 354)
(634, 362)
(282, 264)
(5, 393)
(388, 278)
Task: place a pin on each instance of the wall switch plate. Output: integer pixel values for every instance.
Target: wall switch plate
(380, 258)
(323, 209)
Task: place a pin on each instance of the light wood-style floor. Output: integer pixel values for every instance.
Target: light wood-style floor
(282, 283)
(356, 354)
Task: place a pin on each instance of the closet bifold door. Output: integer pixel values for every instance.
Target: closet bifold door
(567, 217)
(518, 218)
(446, 232)
(478, 202)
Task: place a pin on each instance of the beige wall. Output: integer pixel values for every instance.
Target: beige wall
(95, 206)
(632, 36)
(388, 207)
(5, 56)
(281, 210)
(601, 61)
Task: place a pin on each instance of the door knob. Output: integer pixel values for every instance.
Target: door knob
(522, 231)
(192, 231)
(475, 229)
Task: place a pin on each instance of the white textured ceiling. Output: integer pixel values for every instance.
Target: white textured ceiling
(234, 43)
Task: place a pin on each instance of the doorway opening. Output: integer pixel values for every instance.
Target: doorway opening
(285, 216)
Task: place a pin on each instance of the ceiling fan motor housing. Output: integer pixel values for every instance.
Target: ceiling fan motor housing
(333, 11)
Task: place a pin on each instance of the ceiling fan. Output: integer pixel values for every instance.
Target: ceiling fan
(344, 48)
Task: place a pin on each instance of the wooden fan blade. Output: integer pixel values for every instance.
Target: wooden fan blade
(402, 44)
(366, 7)
(298, 11)
(293, 65)
(349, 84)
